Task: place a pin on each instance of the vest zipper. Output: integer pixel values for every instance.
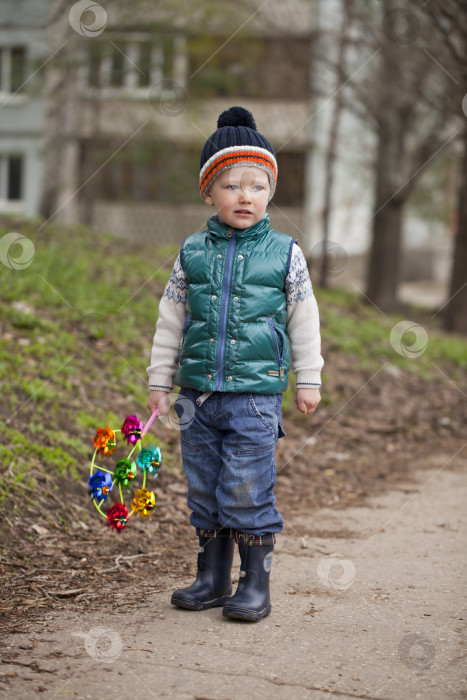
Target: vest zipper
(279, 354)
(223, 315)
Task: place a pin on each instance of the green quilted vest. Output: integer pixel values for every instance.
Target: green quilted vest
(234, 337)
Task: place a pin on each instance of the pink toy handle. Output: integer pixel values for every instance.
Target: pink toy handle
(149, 423)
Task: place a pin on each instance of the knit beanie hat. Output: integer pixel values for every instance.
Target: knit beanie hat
(236, 142)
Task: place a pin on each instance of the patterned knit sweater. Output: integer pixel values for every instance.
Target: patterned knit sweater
(302, 326)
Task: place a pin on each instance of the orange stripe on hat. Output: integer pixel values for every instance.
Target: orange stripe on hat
(236, 156)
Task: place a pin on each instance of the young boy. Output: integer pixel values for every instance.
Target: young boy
(238, 293)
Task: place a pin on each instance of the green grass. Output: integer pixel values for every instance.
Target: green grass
(76, 328)
(352, 328)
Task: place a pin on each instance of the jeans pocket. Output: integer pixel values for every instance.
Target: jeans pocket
(264, 408)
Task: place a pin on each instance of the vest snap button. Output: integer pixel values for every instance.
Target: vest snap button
(209, 376)
(230, 378)
(219, 255)
(214, 297)
(240, 257)
(233, 342)
(235, 298)
(211, 340)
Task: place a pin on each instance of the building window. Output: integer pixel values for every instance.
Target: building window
(133, 63)
(11, 178)
(255, 67)
(12, 68)
(168, 172)
(164, 172)
(117, 67)
(290, 183)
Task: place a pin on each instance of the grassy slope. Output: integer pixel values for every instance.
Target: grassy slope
(75, 334)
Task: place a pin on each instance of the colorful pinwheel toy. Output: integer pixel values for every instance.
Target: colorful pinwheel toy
(102, 480)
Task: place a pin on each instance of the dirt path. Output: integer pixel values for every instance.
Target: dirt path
(372, 608)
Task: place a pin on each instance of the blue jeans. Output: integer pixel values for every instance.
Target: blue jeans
(228, 457)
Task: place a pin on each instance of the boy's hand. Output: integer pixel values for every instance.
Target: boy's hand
(307, 400)
(159, 399)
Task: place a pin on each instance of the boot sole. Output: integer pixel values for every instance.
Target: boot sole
(245, 614)
(190, 604)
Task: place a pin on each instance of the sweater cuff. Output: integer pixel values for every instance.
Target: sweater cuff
(308, 379)
(159, 382)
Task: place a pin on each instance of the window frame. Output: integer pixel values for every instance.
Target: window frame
(136, 48)
(6, 67)
(5, 180)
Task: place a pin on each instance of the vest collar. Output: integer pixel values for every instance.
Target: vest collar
(217, 229)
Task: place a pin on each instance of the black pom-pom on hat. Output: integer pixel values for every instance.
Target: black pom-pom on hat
(236, 116)
(235, 127)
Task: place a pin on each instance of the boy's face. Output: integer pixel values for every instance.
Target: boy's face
(240, 196)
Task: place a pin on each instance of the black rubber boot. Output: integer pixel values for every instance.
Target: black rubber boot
(213, 585)
(251, 601)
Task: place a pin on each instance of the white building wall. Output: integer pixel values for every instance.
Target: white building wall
(23, 23)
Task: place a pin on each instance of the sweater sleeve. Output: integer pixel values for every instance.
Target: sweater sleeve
(303, 323)
(172, 314)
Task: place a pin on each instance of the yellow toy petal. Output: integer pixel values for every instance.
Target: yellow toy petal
(143, 502)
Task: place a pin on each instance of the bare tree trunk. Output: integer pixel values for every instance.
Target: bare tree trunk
(88, 193)
(311, 198)
(89, 147)
(55, 83)
(383, 278)
(384, 260)
(455, 314)
(68, 191)
(331, 154)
